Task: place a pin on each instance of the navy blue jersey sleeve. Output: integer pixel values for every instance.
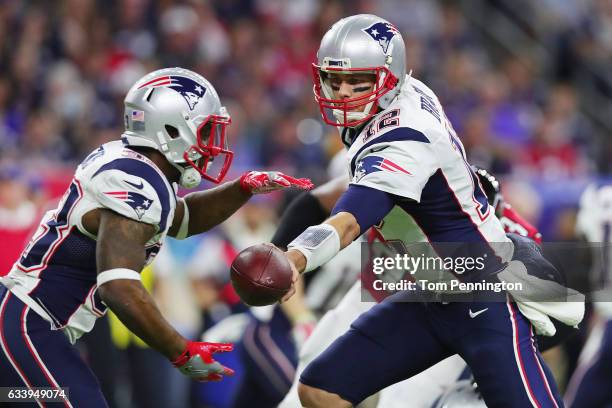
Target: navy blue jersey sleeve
(368, 205)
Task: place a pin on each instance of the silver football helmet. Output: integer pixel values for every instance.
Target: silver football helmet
(178, 113)
(364, 44)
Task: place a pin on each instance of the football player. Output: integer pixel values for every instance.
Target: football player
(590, 383)
(405, 161)
(121, 204)
(314, 207)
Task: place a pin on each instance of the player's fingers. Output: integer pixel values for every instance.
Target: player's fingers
(220, 347)
(280, 180)
(288, 295)
(227, 371)
(211, 378)
(303, 183)
(295, 273)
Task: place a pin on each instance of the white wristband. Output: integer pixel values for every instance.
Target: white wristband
(117, 273)
(184, 229)
(318, 244)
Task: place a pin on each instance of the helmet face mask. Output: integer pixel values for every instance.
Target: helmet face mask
(363, 44)
(347, 112)
(178, 113)
(211, 144)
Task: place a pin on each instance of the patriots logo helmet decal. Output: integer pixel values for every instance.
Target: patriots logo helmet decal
(137, 201)
(382, 32)
(189, 89)
(372, 164)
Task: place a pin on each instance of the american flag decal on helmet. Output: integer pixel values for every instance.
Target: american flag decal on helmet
(187, 87)
(382, 32)
(137, 201)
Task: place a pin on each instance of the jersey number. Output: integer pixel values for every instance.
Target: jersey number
(389, 119)
(50, 234)
(478, 196)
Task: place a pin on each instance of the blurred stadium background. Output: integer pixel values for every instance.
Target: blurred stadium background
(527, 85)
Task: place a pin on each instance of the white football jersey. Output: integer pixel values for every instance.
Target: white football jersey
(57, 269)
(410, 150)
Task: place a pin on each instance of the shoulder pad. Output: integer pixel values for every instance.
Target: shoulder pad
(134, 189)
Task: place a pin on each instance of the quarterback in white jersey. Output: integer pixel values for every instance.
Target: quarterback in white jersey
(404, 158)
(88, 253)
(425, 388)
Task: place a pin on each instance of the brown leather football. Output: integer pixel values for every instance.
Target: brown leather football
(261, 275)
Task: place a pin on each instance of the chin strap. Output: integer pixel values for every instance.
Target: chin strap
(190, 177)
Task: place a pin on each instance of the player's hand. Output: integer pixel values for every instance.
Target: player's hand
(258, 182)
(197, 361)
(294, 279)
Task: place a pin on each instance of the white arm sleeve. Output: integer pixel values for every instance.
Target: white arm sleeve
(318, 244)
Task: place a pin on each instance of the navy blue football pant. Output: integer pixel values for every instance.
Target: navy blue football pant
(33, 355)
(593, 379)
(397, 340)
(269, 356)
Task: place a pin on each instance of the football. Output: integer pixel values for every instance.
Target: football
(261, 275)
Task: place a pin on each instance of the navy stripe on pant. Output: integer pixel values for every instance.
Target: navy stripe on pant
(33, 355)
(395, 341)
(506, 362)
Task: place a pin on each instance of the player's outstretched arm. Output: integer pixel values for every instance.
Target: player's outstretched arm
(357, 210)
(120, 253)
(309, 208)
(201, 211)
(121, 246)
(346, 227)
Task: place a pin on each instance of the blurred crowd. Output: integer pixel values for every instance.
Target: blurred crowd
(531, 115)
(65, 67)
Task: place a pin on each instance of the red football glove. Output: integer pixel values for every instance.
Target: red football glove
(513, 222)
(257, 182)
(197, 361)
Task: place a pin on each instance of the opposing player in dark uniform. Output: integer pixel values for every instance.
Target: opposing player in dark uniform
(121, 204)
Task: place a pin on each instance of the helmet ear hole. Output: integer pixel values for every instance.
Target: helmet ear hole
(172, 131)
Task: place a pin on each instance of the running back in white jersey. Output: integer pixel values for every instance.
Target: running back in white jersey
(57, 269)
(410, 150)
